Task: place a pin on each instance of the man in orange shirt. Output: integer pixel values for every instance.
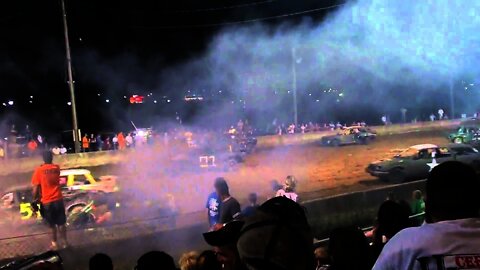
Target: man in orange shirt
(85, 143)
(32, 147)
(46, 187)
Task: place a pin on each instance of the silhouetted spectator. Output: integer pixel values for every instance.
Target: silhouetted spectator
(453, 225)
(188, 261)
(230, 208)
(322, 260)
(207, 260)
(349, 250)
(100, 261)
(252, 205)
(224, 242)
(391, 218)
(277, 236)
(155, 260)
(99, 143)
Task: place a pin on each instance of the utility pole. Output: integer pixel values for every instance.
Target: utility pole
(294, 87)
(452, 100)
(76, 135)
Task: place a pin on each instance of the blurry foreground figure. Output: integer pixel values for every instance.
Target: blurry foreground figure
(155, 260)
(188, 261)
(224, 243)
(277, 236)
(100, 261)
(392, 217)
(49, 260)
(349, 250)
(288, 189)
(451, 237)
(207, 260)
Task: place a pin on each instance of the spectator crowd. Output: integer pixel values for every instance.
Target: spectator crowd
(440, 231)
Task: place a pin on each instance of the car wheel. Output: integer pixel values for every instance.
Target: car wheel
(458, 140)
(365, 140)
(77, 219)
(396, 176)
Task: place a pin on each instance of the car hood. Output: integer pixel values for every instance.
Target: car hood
(386, 161)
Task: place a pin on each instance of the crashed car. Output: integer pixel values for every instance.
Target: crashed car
(415, 162)
(17, 206)
(350, 135)
(81, 179)
(465, 134)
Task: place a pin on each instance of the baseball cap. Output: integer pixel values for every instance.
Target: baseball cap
(277, 236)
(226, 235)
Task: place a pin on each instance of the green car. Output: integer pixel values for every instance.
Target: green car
(465, 134)
(417, 161)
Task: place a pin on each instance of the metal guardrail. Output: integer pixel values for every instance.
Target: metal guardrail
(325, 240)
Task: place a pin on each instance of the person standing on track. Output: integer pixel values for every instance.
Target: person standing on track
(213, 209)
(46, 188)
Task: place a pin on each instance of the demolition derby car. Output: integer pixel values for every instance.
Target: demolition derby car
(417, 161)
(350, 135)
(465, 134)
(81, 179)
(81, 207)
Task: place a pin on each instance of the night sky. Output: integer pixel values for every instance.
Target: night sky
(153, 35)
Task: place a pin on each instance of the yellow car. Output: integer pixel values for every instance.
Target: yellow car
(81, 179)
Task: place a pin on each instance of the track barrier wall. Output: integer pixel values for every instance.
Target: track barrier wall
(356, 208)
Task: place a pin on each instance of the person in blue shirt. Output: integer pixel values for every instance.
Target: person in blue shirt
(213, 209)
(252, 207)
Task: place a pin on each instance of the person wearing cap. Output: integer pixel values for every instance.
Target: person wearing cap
(224, 243)
(288, 189)
(277, 236)
(230, 207)
(450, 238)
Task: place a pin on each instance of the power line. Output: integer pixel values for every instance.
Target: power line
(244, 21)
(223, 8)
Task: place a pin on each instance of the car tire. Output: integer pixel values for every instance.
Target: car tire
(365, 140)
(396, 176)
(458, 140)
(78, 222)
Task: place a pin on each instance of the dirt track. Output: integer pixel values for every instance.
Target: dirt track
(321, 171)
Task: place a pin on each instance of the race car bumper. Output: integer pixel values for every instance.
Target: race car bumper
(374, 171)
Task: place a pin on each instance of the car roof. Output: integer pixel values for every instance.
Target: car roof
(423, 146)
(74, 172)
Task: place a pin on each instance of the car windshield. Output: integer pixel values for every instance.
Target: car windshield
(410, 152)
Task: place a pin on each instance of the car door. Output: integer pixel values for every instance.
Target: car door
(8, 209)
(421, 165)
(348, 137)
(468, 155)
